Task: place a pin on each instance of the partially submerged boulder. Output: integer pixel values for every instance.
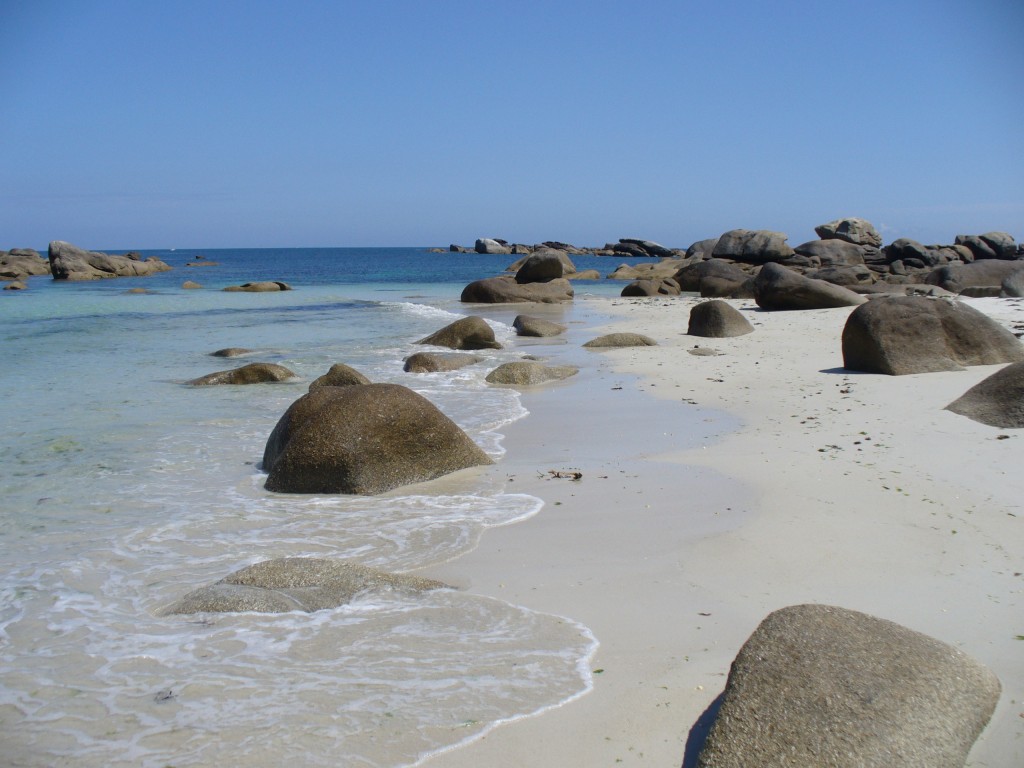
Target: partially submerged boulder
(779, 288)
(717, 319)
(997, 400)
(492, 246)
(436, 362)
(339, 375)
(253, 373)
(527, 325)
(541, 267)
(529, 373)
(817, 685)
(367, 439)
(466, 333)
(295, 584)
(505, 290)
(68, 262)
(19, 263)
(914, 334)
(232, 352)
(621, 340)
(264, 286)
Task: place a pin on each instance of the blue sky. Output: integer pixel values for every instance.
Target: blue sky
(216, 124)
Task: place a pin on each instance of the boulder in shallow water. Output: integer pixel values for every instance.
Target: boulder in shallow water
(468, 333)
(295, 584)
(264, 286)
(505, 290)
(997, 400)
(364, 440)
(817, 685)
(438, 362)
(915, 334)
(253, 373)
(340, 375)
(232, 352)
(527, 325)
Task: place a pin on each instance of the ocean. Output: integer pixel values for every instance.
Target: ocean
(124, 489)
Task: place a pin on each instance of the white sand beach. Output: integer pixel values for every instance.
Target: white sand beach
(798, 481)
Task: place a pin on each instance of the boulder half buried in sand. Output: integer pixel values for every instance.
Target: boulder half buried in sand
(997, 401)
(916, 334)
(717, 319)
(529, 373)
(817, 685)
(527, 325)
(295, 584)
(612, 340)
(364, 440)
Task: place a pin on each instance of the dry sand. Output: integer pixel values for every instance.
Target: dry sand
(716, 489)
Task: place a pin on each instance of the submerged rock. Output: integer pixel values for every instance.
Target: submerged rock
(339, 375)
(295, 584)
(253, 373)
(437, 362)
(266, 286)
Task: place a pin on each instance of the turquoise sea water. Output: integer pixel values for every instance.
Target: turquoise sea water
(124, 489)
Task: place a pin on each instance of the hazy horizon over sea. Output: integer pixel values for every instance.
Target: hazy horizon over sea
(126, 488)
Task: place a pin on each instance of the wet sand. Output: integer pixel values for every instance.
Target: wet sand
(716, 489)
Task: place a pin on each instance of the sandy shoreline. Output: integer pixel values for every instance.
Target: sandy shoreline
(792, 481)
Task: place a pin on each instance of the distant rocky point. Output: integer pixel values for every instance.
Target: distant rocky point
(69, 262)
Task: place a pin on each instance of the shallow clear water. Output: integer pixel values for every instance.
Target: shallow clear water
(124, 489)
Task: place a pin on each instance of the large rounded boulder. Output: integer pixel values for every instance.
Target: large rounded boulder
(717, 319)
(467, 333)
(541, 267)
(988, 273)
(779, 288)
(997, 401)
(340, 375)
(527, 325)
(818, 685)
(915, 334)
(753, 246)
(366, 440)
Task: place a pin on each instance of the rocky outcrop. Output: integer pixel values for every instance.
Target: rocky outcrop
(631, 246)
(851, 230)
(779, 288)
(438, 362)
(296, 584)
(68, 262)
(505, 290)
(467, 333)
(997, 400)
(526, 325)
(717, 319)
(621, 340)
(339, 375)
(529, 373)
(692, 276)
(817, 685)
(491, 246)
(666, 286)
(364, 440)
(19, 263)
(253, 373)
(988, 273)
(16, 285)
(264, 286)
(232, 352)
(752, 246)
(912, 334)
(991, 245)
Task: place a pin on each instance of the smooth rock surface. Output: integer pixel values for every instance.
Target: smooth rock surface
(717, 319)
(466, 333)
(253, 373)
(997, 400)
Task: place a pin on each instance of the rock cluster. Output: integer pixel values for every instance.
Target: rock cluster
(68, 262)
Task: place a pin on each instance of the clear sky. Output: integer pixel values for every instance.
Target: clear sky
(129, 124)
